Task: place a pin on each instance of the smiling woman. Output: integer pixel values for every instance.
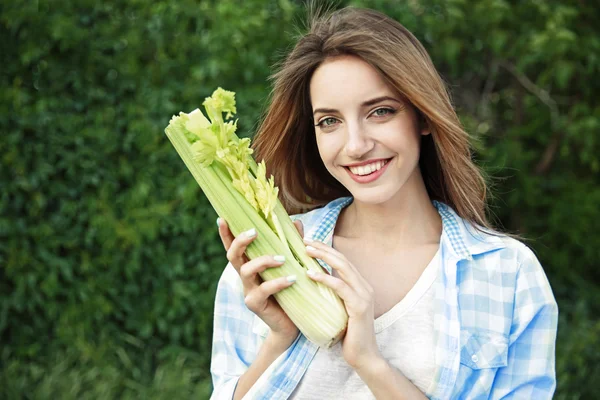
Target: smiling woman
(364, 143)
(358, 141)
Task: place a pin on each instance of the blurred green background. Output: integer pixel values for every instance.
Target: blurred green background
(109, 254)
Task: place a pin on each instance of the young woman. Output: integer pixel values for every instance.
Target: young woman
(361, 131)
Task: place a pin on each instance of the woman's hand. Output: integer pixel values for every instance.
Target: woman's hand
(258, 294)
(359, 346)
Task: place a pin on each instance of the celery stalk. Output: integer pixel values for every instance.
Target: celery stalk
(239, 191)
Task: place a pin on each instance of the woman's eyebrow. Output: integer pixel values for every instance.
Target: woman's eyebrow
(365, 104)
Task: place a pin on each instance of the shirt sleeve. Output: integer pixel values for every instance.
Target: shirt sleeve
(234, 345)
(530, 370)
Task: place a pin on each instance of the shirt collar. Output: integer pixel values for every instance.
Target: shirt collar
(465, 240)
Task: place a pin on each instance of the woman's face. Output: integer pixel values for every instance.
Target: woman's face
(367, 136)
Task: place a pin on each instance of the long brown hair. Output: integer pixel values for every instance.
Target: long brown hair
(286, 137)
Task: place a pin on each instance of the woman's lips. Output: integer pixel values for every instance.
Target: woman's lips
(369, 177)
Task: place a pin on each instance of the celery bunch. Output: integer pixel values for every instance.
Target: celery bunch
(239, 191)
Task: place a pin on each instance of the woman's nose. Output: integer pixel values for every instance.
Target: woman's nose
(358, 142)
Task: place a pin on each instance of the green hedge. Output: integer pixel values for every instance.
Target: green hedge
(109, 254)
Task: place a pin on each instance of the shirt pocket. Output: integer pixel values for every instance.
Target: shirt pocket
(483, 349)
(259, 327)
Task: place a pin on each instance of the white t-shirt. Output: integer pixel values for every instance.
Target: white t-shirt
(404, 336)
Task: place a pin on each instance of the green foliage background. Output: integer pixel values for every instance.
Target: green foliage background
(109, 255)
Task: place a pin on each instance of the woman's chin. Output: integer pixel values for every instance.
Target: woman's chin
(372, 196)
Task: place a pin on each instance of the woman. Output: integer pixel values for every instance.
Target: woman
(361, 132)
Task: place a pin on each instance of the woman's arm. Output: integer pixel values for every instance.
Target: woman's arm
(234, 345)
(530, 370)
(272, 348)
(239, 355)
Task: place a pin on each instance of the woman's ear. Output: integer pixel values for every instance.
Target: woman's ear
(424, 125)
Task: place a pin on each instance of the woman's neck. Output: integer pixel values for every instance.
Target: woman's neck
(406, 220)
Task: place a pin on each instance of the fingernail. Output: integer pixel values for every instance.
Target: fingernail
(291, 278)
(279, 258)
(218, 221)
(310, 248)
(310, 272)
(309, 240)
(250, 233)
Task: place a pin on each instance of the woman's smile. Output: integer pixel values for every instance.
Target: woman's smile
(368, 172)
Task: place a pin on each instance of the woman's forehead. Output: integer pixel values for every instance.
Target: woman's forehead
(347, 79)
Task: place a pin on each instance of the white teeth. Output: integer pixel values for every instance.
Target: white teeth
(368, 169)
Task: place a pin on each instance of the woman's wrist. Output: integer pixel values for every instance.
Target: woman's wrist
(280, 342)
(370, 365)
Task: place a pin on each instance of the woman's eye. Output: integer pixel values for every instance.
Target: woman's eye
(327, 122)
(382, 112)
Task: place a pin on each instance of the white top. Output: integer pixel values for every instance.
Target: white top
(404, 336)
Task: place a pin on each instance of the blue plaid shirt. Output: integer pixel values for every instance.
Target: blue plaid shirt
(495, 320)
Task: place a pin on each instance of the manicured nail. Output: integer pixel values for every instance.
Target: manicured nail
(291, 278)
(279, 258)
(250, 233)
(218, 221)
(310, 272)
(310, 248)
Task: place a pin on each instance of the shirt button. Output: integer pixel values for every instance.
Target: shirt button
(474, 358)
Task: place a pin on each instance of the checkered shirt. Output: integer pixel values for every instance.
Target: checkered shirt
(495, 320)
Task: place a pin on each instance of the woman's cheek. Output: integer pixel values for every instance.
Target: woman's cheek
(327, 150)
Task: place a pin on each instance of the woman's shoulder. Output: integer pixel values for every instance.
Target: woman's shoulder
(507, 260)
(473, 242)
(501, 287)
(508, 249)
(501, 266)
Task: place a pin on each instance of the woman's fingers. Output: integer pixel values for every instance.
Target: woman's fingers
(300, 228)
(340, 287)
(225, 234)
(235, 253)
(273, 286)
(249, 271)
(357, 304)
(335, 260)
(328, 250)
(257, 298)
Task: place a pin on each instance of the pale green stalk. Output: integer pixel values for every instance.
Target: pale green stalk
(239, 191)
